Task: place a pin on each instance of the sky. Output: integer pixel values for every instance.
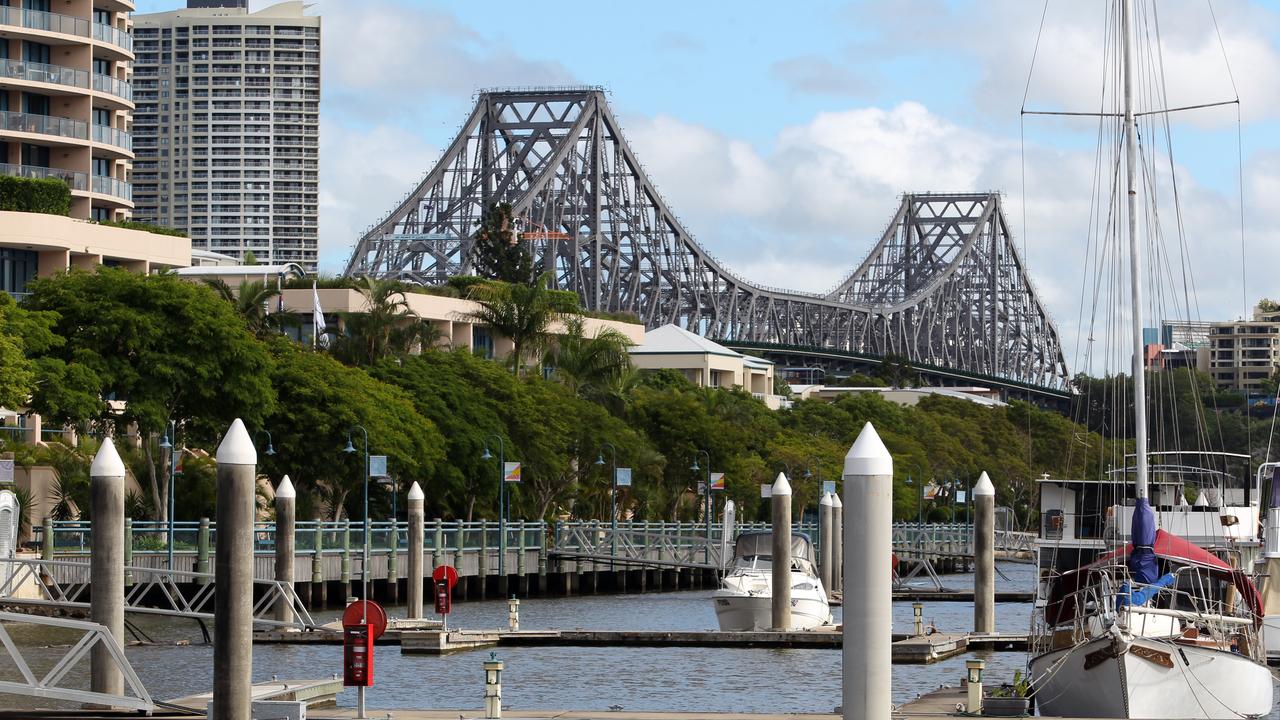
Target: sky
(784, 134)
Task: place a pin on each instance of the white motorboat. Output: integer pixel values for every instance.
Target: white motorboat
(745, 598)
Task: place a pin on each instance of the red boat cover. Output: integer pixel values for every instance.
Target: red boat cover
(1061, 606)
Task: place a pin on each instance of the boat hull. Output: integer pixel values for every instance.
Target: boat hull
(755, 612)
(1203, 682)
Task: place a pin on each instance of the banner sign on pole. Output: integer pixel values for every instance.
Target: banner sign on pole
(702, 488)
(829, 486)
(962, 496)
(766, 490)
(623, 478)
(717, 481)
(377, 466)
(511, 472)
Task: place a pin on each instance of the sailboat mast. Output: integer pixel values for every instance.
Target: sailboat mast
(1135, 252)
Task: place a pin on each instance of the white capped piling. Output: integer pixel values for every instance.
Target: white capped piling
(106, 564)
(286, 526)
(233, 576)
(417, 531)
(825, 544)
(837, 543)
(868, 611)
(781, 562)
(984, 555)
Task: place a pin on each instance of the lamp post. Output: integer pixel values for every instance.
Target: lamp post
(707, 492)
(170, 443)
(613, 495)
(502, 502)
(364, 565)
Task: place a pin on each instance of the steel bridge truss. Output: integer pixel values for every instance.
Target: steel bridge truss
(155, 591)
(943, 286)
(49, 685)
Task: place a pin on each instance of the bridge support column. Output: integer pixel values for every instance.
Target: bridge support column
(483, 564)
(233, 576)
(837, 545)
(345, 576)
(825, 544)
(286, 523)
(417, 522)
(106, 574)
(522, 580)
(202, 550)
(868, 608)
(393, 554)
(984, 555)
(437, 548)
(781, 564)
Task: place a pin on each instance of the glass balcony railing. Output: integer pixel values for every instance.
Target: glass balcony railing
(112, 136)
(108, 84)
(43, 124)
(47, 21)
(43, 72)
(113, 36)
(77, 180)
(113, 187)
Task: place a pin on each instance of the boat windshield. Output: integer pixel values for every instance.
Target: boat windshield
(757, 547)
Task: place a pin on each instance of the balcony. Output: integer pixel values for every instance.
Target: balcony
(45, 21)
(44, 73)
(77, 180)
(43, 125)
(113, 36)
(107, 84)
(113, 187)
(112, 136)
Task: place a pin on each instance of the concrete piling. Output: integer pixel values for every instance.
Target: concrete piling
(286, 523)
(233, 576)
(202, 551)
(837, 543)
(106, 563)
(781, 563)
(984, 555)
(868, 611)
(317, 569)
(417, 530)
(128, 552)
(825, 545)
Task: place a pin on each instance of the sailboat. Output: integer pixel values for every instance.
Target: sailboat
(1161, 627)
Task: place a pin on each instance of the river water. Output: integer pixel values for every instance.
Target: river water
(578, 678)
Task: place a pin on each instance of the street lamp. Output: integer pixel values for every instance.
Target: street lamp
(502, 501)
(613, 497)
(364, 567)
(271, 450)
(707, 492)
(170, 443)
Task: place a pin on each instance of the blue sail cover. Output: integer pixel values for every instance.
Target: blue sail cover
(1142, 561)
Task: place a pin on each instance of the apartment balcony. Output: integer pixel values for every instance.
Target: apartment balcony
(34, 72)
(115, 138)
(43, 24)
(76, 180)
(32, 124)
(114, 40)
(113, 189)
(114, 89)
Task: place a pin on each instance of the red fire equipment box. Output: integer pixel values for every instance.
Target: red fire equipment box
(444, 598)
(357, 655)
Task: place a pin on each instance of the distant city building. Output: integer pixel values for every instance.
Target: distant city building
(1244, 353)
(1193, 334)
(227, 127)
(65, 100)
(704, 363)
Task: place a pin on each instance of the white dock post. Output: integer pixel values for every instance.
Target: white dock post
(984, 555)
(868, 611)
(781, 562)
(106, 564)
(837, 542)
(417, 532)
(826, 535)
(233, 576)
(286, 524)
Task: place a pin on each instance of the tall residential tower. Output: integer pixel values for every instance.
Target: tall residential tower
(65, 99)
(227, 127)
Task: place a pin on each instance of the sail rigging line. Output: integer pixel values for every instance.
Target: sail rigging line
(1144, 113)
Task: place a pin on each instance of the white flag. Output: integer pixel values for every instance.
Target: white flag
(317, 318)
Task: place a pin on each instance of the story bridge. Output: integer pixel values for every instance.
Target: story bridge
(943, 287)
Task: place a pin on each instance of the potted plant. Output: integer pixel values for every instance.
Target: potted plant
(1008, 700)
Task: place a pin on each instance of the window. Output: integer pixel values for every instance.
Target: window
(17, 268)
(35, 104)
(101, 167)
(35, 155)
(35, 52)
(40, 5)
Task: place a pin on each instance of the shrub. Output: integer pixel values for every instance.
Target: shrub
(146, 227)
(50, 196)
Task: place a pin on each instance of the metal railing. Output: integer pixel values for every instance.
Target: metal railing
(44, 72)
(112, 86)
(112, 136)
(47, 21)
(113, 36)
(111, 186)
(77, 180)
(43, 124)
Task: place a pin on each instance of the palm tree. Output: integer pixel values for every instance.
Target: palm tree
(387, 327)
(522, 313)
(590, 366)
(251, 300)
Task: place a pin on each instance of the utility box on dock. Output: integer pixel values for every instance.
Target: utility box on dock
(357, 655)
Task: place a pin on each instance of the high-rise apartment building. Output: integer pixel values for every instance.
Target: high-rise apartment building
(65, 99)
(227, 127)
(1244, 353)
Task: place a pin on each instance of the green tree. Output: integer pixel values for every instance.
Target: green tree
(252, 301)
(387, 327)
(590, 366)
(523, 314)
(497, 253)
(897, 371)
(24, 334)
(148, 349)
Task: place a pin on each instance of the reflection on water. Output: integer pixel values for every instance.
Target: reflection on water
(592, 678)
